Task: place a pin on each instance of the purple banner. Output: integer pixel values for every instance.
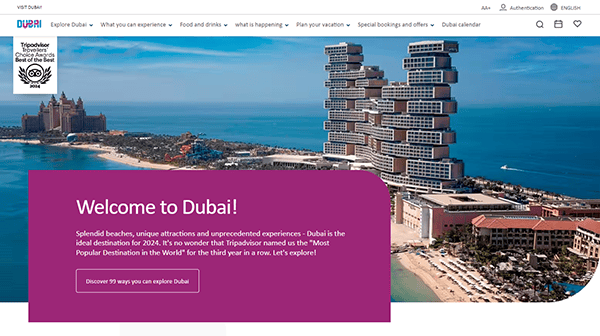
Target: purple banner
(208, 246)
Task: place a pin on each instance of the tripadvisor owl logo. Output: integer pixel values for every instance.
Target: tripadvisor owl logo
(35, 75)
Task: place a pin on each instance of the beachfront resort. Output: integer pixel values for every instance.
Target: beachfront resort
(487, 241)
(63, 115)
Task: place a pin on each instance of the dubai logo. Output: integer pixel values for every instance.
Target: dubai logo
(29, 24)
(35, 75)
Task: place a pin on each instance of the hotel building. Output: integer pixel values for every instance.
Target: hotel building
(572, 208)
(351, 87)
(64, 115)
(432, 215)
(402, 128)
(587, 243)
(530, 233)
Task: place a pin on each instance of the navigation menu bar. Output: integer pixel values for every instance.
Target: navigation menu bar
(299, 25)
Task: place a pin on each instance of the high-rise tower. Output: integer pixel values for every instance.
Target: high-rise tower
(406, 129)
(351, 85)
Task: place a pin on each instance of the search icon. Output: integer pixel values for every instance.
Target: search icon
(539, 24)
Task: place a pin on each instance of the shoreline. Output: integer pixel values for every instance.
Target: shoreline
(414, 266)
(131, 161)
(106, 153)
(401, 235)
(111, 154)
(480, 181)
(439, 282)
(22, 141)
(443, 287)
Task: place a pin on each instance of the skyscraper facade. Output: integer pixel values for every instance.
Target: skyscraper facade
(351, 88)
(402, 128)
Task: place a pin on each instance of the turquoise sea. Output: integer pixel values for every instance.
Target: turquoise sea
(15, 160)
(407, 287)
(548, 147)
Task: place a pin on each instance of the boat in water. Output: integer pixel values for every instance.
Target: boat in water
(504, 167)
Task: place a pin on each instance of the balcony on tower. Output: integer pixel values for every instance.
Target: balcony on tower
(363, 72)
(339, 83)
(347, 137)
(437, 76)
(347, 58)
(415, 121)
(374, 144)
(426, 62)
(391, 106)
(416, 184)
(347, 115)
(343, 48)
(425, 47)
(366, 104)
(354, 93)
(365, 152)
(374, 117)
(387, 163)
(381, 133)
(445, 169)
(334, 125)
(444, 137)
(338, 104)
(415, 92)
(431, 106)
(364, 128)
(371, 82)
(337, 148)
(415, 151)
(342, 66)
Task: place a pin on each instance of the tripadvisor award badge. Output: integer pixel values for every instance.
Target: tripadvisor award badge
(34, 65)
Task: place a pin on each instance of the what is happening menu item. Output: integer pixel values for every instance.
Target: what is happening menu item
(208, 246)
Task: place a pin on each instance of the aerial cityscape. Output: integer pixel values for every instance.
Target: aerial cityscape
(467, 238)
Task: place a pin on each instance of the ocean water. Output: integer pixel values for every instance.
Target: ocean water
(15, 161)
(287, 125)
(550, 148)
(407, 287)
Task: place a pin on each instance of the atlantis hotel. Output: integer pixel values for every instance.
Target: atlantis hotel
(63, 115)
(401, 128)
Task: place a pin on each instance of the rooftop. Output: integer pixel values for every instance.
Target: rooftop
(575, 204)
(464, 199)
(590, 225)
(431, 42)
(289, 158)
(523, 222)
(342, 44)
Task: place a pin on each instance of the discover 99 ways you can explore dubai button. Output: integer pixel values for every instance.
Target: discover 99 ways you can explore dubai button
(137, 280)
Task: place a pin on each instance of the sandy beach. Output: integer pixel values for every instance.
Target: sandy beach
(107, 153)
(128, 160)
(110, 153)
(440, 282)
(439, 286)
(23, 141)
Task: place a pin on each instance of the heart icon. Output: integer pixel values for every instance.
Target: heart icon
(577, 23)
